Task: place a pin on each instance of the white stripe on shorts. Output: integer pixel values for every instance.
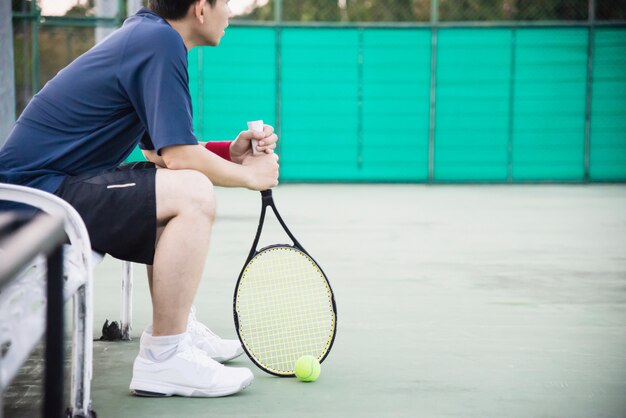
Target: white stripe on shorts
(120, 186)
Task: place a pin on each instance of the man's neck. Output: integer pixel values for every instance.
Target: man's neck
(182, 27)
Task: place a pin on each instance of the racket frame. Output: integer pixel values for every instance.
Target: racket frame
(268, 200)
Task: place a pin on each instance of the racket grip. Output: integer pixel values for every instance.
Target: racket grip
(256, 126)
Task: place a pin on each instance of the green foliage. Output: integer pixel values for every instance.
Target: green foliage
(552, 10)
(82, 9)
(420, 10)
(59, 46)
(611, 10)
(309, 11)
(21, 5)
(388, 11)
(344, 11)
(461, 10)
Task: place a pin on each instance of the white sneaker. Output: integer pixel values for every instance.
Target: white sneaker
(217, 348)
(189, 372)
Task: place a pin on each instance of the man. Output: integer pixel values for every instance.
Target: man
(74, 134)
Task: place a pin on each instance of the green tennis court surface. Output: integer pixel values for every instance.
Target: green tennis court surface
(453, 301)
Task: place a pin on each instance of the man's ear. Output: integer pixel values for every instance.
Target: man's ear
(198, 10)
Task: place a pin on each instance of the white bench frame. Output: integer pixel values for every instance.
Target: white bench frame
(126, 320)
(24, 302)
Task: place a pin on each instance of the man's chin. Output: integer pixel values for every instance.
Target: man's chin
(212, 42)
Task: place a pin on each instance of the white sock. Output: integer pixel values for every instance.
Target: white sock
(159, 348)
(149, 327)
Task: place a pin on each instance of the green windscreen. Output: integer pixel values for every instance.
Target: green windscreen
(319, 104)
(608, 107)
(472, 104)
(395, 105)
(549, 106)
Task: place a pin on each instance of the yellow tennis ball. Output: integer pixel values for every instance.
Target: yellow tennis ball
(307, 368)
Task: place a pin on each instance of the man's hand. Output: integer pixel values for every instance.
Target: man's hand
(153, 157)
(241, 147)
(263, 170)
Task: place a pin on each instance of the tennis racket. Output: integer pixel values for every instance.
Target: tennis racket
(284, 307)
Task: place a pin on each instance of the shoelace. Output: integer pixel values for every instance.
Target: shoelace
(198, 327)
(198, 357)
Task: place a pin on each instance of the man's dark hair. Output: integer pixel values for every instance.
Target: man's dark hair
(173, 9)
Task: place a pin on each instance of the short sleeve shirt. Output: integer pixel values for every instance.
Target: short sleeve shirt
(130, 89)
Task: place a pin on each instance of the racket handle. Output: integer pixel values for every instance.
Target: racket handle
(256, 126)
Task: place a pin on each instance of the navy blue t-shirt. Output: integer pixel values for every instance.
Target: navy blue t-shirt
(131, 88)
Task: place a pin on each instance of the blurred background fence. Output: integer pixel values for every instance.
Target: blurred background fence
(395, 90)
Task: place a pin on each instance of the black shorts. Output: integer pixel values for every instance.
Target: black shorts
(118, 208)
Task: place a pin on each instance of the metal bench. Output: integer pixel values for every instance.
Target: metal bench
(23, 301)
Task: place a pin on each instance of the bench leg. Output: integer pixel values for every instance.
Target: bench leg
(82, 356)
(55, 327)
(127, 300)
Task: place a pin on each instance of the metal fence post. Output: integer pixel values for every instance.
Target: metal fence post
(7, 74)
(36, 17)
(434, 19)
(107, 8)
(511, 132)
(359, 129)
(132, 7)
(278, 17)
(589, 90)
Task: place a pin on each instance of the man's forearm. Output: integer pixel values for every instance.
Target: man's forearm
(195, 157)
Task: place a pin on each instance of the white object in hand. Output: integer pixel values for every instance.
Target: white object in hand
(257, 126)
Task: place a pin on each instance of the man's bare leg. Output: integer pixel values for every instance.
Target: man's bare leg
(185, 211)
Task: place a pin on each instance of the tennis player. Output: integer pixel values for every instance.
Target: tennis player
(71, 140)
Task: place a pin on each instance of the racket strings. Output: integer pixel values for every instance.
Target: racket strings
(285, 310)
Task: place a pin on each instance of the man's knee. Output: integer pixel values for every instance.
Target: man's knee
(189, 191)
(197, 193)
